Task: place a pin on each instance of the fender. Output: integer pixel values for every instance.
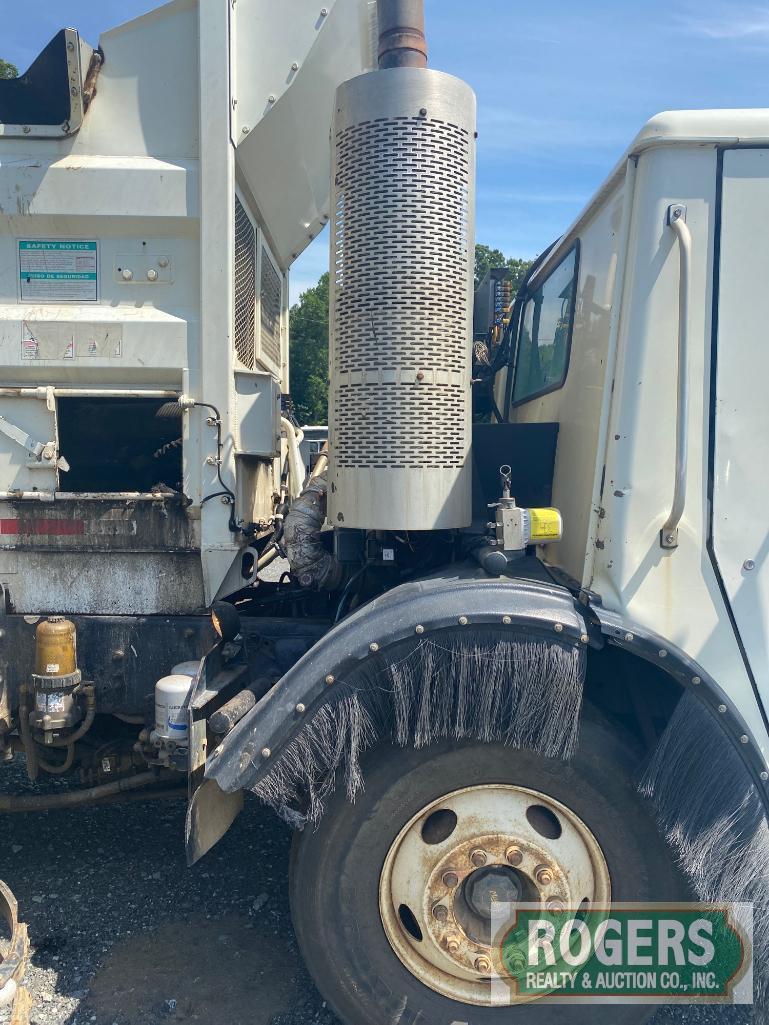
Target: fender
(530, 606)
(666, 656)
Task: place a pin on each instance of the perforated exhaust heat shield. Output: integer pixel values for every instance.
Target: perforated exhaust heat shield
(402, 256)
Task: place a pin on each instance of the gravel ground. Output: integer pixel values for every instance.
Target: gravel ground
(123, 933)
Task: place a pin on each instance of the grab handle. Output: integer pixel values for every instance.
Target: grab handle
(676, 219)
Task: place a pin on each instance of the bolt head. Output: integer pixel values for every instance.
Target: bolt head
(419, 629)
(514, 856)
(748, 565)
(722, 709)
(373, 646)
(558, 628)
(463, 620)
(482, 965)
(696, 680)
(323, 12)
(301, 709)
(670, 538)
(555, 905)
(440, 912)
(744, 739)
(266, 752)
(270, 99)
(663, 653)
(452, 945)
(765, 776)
(543, 875)
(423, 111)
(629, 637)
(507, 620)
(584, 638)
(450, 879)
(295, 66)
(329, 679)
(479, 857)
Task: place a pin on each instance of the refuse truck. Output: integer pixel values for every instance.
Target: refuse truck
(520, 649)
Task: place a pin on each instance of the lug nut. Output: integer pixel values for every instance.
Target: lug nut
(440, 912)
(452, 945)
(543, 875)
(555, 905)
(479, 858)
(450, 879)
(482, 965)
(514, 855)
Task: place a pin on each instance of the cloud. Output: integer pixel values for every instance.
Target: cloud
(749, 24)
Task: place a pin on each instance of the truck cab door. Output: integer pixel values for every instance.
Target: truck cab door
(740, 457)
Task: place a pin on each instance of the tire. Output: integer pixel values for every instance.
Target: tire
(336, 868)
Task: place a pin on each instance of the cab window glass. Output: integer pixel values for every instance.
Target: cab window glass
(546, 327)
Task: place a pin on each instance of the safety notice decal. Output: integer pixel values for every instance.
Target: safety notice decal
(58, 270)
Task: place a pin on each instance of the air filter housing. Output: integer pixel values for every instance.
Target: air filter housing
(402, 258)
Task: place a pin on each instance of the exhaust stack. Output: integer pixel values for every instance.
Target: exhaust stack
(402, 42)
(402, 257)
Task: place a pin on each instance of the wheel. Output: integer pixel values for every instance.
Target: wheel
(390, 896)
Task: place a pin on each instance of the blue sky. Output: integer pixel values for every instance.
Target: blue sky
(562, 88)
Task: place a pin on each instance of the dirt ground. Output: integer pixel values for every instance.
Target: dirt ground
(123, 933)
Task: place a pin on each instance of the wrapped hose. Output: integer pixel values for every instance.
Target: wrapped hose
(311, 562)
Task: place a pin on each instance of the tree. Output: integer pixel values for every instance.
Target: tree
(486, 258)
(308, 328)
(308, 332)
(8, 70)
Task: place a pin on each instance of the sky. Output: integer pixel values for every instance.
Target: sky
(562, 88)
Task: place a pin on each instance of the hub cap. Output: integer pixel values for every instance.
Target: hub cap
(464, 852)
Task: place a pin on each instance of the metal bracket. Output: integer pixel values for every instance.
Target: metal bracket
(14, 962)
(43, 452)
(669, 538)
(675, 212)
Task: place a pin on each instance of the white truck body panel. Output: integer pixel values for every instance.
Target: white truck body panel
(151, 177)
(740, 481)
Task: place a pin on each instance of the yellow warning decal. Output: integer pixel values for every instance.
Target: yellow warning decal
(546, 525)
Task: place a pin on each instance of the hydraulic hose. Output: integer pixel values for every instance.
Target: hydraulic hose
(74, 798)
(294, 437)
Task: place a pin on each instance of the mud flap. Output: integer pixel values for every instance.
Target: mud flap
(210, 814)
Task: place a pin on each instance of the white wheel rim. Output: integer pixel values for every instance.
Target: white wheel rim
(427, 874)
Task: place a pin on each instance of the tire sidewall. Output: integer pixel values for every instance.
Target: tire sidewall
(336, 871)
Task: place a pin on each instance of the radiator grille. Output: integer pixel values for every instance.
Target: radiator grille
(245, 286)
(271, 296)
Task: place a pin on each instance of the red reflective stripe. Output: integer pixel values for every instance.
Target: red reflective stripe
(42, 527)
